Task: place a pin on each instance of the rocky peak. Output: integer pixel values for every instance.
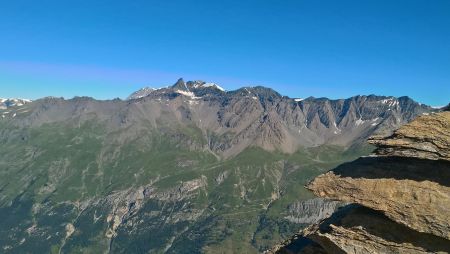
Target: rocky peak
(197, 88)
(258, 92)
(12, 102)
(180, 85)
(427, 137)
(143, 92)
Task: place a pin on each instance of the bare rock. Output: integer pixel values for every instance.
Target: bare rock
(412, 192)
(426, 137)
(402, 196)
(311, 210)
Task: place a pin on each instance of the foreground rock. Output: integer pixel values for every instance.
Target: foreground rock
(356, 229)
(402, 196)
(427, 137)
(413, 192)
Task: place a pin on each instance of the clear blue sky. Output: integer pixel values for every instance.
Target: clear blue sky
(335, 49)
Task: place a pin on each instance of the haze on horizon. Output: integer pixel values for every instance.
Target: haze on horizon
(108, 49)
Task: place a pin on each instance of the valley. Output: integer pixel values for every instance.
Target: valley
(189, 168)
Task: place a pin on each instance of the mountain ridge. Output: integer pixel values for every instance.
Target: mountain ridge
(248, 116)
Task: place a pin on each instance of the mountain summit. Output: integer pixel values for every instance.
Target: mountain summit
(260, 116)
(6, 103)
(192, 88)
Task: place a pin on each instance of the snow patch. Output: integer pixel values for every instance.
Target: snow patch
(337, 131)
(391, 102)
(189, 94)
(12, 102)
(213, 85)
(359, 122)
(298, 99)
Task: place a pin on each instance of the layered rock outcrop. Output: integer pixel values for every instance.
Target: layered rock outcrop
(427, 137)
(400, 196)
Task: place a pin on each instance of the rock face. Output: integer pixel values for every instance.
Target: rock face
(427, 137)
(414, 192)
(311, 211)
(402, 196)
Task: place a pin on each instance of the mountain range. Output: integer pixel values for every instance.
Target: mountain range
(188, 168)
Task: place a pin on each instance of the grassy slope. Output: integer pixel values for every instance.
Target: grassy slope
(48, 172)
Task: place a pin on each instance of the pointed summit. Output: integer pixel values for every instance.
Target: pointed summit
(180, 85)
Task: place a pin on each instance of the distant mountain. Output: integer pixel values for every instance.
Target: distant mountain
(198, 87)
(141, 93)
(232, 121)
(189, 168)
(260, 116)
(446, 108)
(6, 103)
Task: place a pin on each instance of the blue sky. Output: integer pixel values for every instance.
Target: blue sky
(336, 49)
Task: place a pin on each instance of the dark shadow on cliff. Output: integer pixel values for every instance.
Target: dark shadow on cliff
(302, 245)
(377, 224)
(355, 217)
(400, 168)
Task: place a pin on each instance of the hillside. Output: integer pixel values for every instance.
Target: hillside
(188, 168)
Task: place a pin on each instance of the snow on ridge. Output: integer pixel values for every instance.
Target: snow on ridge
(213, 85)
(188, 94)
(298, 99)
(12, 102)
(143, 92)
(359, 122)
(391, 102)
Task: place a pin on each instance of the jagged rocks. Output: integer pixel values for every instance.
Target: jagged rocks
(402, 196)
(426, 137)
(413, 192)
(357, 229)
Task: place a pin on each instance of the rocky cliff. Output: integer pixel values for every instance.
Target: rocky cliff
(400, 196)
